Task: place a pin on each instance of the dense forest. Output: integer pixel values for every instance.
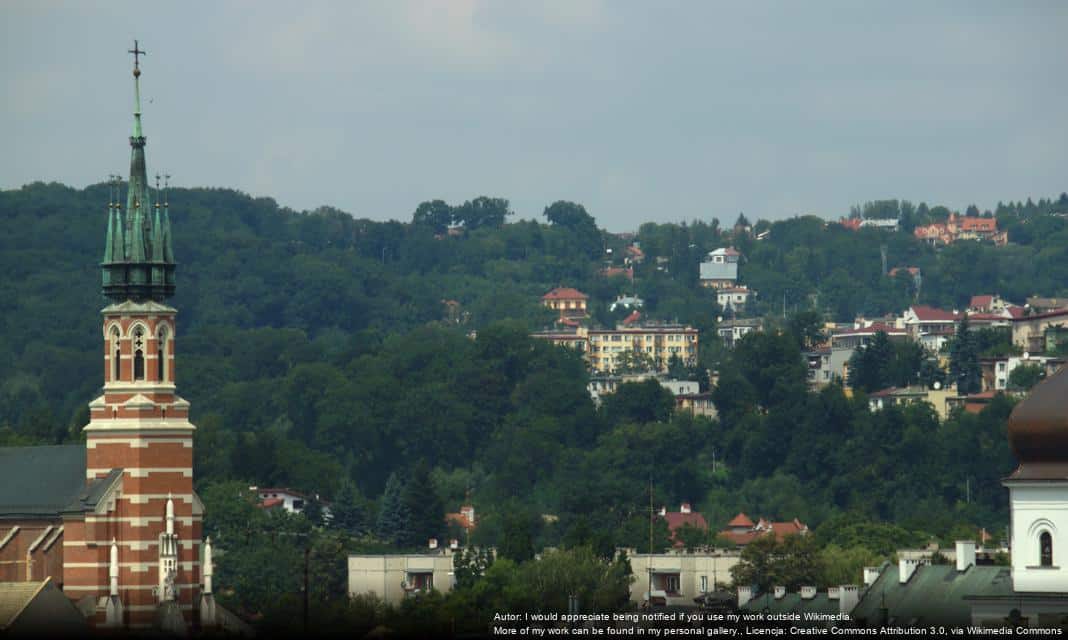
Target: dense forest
(318, 353)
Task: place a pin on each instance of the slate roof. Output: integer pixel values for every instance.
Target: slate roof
(934, 594)
(40, 481)
(793, 603)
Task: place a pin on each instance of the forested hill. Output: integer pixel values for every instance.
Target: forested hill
(317, 352)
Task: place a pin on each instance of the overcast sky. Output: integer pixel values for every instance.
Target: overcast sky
(638, 110)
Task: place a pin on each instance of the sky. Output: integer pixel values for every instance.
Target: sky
(640, 111)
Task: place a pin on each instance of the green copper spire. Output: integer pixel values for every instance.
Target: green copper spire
(136, 262)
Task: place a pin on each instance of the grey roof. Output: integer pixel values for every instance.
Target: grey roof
(719, 270)
(40, 481)
(793, 603)
(934, 594)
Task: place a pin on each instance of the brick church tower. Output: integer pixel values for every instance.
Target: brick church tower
(138, 549)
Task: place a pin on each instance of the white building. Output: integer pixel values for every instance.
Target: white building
(396, 577)
(678, 578)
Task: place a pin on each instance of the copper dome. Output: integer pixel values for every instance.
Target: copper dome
(1038, 426)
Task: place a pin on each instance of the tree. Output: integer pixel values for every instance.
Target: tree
(517, 543)
(766, 562)
(806, 327)
(964, 360)
(394, 519)
(869, 366)
(691, 536)
(424, 505)
(347, 510)
(1025, 376)
(639, 402)
(470, 564)
(436, 214)
(482, 212)
(569, 215)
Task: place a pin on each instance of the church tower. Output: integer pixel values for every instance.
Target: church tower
(143, 548)
(1038, 489)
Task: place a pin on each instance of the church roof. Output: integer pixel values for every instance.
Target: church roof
(1038, 431)
(40, 481)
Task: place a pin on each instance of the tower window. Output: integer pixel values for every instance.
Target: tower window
(116, 354)
(161, 354)
(139, 354)
(1045, 549)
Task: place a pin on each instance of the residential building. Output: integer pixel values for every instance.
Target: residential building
(1029, 332)
(1039, 304)
(679, 578)
(989, 303)
(633, 254)
(658, 342)
(929, 326)
(733, 298)
(569, 303)
(996, 371)
(958, 227)
(697, 404)
(859, 336)
(941, 398)
(392, 578)
(731, 331)
(720, 268)
(741, 530)
(464, 518)
(685, 516)
(289, 500)
(573, 337)
(819, 372)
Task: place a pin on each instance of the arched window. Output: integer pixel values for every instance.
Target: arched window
(161, 354)
(1045, 549)
(116, 354)
(139, 354)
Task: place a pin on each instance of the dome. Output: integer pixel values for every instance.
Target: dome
(1038, 426)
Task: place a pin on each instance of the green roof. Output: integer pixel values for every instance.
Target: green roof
(934, 594)
(40, 480)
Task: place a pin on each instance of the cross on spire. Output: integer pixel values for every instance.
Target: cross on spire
(136, 53)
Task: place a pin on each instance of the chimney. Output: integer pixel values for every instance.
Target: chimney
(433, 543)
(905, 568)
(454, 544)
(808, 593)
(685, 508)
(871, 574)
(965, 554)
(833, 593)
(779, 592)
(848, 598)
(663, 511)
(745, 594)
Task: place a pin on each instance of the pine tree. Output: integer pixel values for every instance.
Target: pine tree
(964, 360)
(424, 506)
(348, 510)
(394, 520)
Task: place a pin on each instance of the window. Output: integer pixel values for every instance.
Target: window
(139, 354)
(704, 584)
(116, 354)
(161, 354)
(1045, 549)
(671, 583)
